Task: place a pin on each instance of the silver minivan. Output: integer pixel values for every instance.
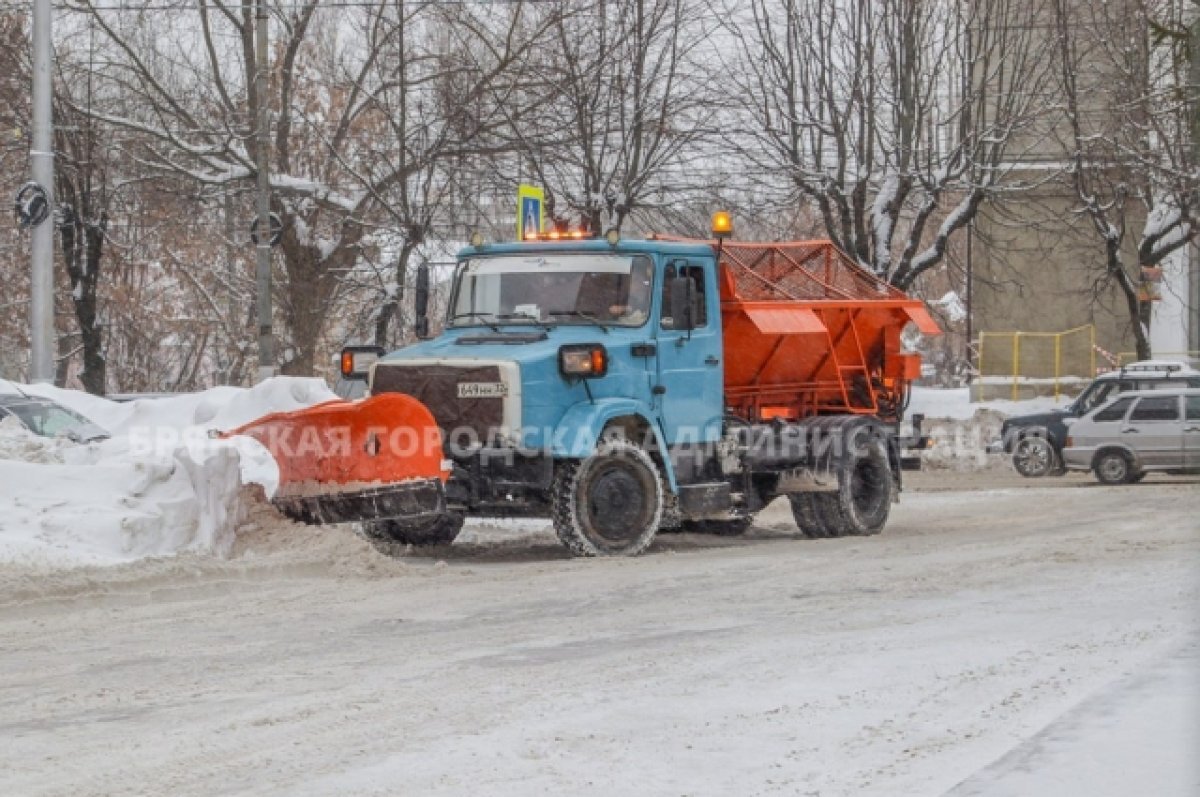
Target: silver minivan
(1136, 433)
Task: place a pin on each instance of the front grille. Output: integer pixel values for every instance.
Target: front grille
(436, 386)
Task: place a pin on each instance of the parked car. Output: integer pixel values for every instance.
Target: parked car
(1136, 433)
(48, 418)
(1036, 441)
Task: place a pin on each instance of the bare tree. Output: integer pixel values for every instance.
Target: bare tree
(629, 105)
(14, 162)
(1128, 113)
(446, 101)
(190, 100)
(81, 191)
(82, 180)
(896, 118)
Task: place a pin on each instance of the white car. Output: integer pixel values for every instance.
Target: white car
(48, 418)
(1135, 433)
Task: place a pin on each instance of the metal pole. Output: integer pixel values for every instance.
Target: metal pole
(266, 340)
(1016, 363)
(1057, 363)
(970, 285)
(41, 159)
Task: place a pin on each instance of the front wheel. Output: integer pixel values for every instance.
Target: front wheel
(609, 504)
(438, 530)
(1114, 467)
(1035, 457)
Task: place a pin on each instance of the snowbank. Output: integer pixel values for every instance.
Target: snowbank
(955, 403)
(158, 487)
(961, 429)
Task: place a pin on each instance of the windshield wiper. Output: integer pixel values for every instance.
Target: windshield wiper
(581, 314)
(494, 326)
(526, 316)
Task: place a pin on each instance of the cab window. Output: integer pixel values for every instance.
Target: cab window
(1164, 408)
(1114, 413)
(1193, 408)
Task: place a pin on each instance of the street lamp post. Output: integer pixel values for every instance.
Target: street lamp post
(41, 157)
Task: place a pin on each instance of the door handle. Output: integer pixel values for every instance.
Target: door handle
(1129, 430)
(1191, 428)
(711, 360)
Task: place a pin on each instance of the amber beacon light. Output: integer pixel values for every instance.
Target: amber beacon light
(722, 224)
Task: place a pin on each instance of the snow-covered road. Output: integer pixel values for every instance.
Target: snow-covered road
(983, 639)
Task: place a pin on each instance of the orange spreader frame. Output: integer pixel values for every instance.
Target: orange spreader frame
(808, 331)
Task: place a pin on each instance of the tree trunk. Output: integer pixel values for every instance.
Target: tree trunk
(390, 309)
(83, 251)
(95, 368)
(1132, 303)
(311, 285)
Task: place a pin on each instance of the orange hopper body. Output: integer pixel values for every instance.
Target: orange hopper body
(814, 333)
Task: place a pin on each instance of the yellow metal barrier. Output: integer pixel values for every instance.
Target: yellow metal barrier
(1036, 359)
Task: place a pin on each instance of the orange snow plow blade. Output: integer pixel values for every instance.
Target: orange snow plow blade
(343, 461)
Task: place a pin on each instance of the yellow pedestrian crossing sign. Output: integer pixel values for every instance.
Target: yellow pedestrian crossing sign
(531, 209)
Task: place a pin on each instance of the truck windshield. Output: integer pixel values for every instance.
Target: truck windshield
(611, 290)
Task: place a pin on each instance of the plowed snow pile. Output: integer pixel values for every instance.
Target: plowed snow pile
(158, 487)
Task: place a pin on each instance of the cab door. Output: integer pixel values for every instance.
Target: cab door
(690, 392)
(1191, 432)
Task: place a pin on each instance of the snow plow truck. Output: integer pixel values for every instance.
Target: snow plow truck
(621, 388)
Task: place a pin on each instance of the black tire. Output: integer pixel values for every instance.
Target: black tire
(808, 520)
(1034, 457)
(734, 527)
(439, 530)
(609, 504)
(1113, 467)
(862, 502)
(1137, 477)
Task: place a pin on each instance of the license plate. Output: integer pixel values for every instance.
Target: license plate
(471, 390)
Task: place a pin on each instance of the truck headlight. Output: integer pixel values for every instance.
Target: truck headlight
(587, 360)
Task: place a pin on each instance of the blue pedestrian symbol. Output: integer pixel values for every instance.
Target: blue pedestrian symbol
(531, 215)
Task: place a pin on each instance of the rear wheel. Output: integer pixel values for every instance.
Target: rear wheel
(862, 502)
(438, 530)
(1034, 457)
(804, 510)
(1114, 467)
(609, 504)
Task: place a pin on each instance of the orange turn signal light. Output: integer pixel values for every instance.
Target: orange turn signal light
(556, 235)
(355, 361)
(587, 360)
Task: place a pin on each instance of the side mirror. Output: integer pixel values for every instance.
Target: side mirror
(683, 301)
